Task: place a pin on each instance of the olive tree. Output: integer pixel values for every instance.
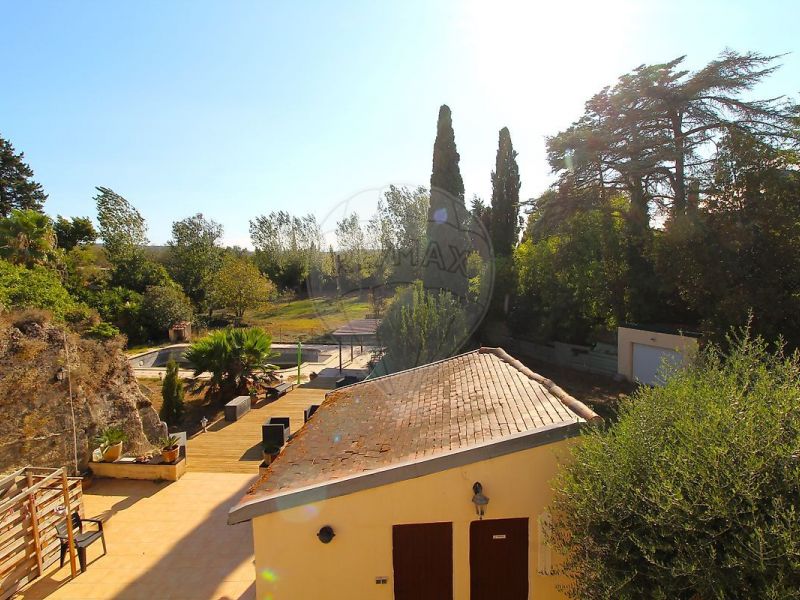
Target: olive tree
(695, 492)
(238, 285)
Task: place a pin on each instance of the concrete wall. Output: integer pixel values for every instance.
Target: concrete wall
(601, 359)
(292, 563)
(627, 337)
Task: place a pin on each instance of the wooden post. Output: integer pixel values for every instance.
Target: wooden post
(35, 524)
(68, 509)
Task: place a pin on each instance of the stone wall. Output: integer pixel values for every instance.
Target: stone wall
(36, 416)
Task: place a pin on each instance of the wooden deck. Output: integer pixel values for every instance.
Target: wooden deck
(236, 447)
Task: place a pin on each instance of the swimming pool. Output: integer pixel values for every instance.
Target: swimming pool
(158, 359)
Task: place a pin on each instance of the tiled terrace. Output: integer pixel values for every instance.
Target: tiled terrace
(165, 541)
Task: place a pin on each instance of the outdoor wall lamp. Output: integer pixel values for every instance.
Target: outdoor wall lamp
(204, 423)
(478, 499)
(60, 374)
(326, 534)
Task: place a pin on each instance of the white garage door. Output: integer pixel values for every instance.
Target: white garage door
(647, 361)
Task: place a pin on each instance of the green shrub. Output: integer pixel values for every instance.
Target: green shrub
(421, 326)
(172, 394)
(120, 307)
(37, 287)
(102, 331)
(162, 306)
(695, 492)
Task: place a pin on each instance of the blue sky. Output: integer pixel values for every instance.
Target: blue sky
(238, 108)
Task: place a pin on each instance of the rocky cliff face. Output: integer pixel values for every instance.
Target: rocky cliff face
(36, 415)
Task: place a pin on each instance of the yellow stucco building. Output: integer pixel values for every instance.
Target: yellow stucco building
(431, 483)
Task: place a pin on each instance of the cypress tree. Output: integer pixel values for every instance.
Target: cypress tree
(446, 176)
(505, 197)
(172, 394)
(447, 211)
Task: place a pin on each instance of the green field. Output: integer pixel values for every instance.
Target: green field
(289, 320)
(309, 319)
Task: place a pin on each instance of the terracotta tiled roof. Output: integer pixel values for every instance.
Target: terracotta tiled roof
(468, 400)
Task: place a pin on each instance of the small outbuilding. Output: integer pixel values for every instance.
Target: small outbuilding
(430, 483)
(180, 332)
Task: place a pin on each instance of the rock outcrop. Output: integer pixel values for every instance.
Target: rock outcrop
(40, 362)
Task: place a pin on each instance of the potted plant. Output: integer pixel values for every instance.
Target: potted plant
(170, 449)
(110, 442)
(271, 452)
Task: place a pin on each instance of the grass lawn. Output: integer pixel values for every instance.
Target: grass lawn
(288, 319)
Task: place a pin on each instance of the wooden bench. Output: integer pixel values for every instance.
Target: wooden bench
(278, 390)
(236, 408)
(346, 380)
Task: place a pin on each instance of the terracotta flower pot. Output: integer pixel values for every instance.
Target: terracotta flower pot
(112, 453)
(170, 456)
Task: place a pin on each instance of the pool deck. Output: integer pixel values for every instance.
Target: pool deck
(359, 361)
(236, 447)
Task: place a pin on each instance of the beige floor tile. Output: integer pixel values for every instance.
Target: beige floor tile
(164, 541)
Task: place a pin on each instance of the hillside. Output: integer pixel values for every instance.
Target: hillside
(36, 421)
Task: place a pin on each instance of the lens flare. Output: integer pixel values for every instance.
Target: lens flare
(268, 575)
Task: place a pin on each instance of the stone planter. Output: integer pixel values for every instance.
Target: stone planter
(129, 469)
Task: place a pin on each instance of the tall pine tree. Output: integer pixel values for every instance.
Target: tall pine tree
(17, 187)
(505, 197)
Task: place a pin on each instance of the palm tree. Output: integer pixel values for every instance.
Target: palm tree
(232, 356)
(27, 238)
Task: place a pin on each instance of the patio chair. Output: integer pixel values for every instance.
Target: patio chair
(83, 539)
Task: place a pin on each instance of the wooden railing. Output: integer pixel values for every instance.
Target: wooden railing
(32, 501)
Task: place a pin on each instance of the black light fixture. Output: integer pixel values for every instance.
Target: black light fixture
(478, 499)
(60, 374)
(326, 534)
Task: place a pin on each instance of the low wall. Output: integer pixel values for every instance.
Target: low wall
(132, 470)
(601, 358)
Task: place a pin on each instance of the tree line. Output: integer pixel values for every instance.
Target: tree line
(675, 202)
(674, 193)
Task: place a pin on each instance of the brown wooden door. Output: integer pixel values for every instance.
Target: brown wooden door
(498, 559)
(422, 557)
